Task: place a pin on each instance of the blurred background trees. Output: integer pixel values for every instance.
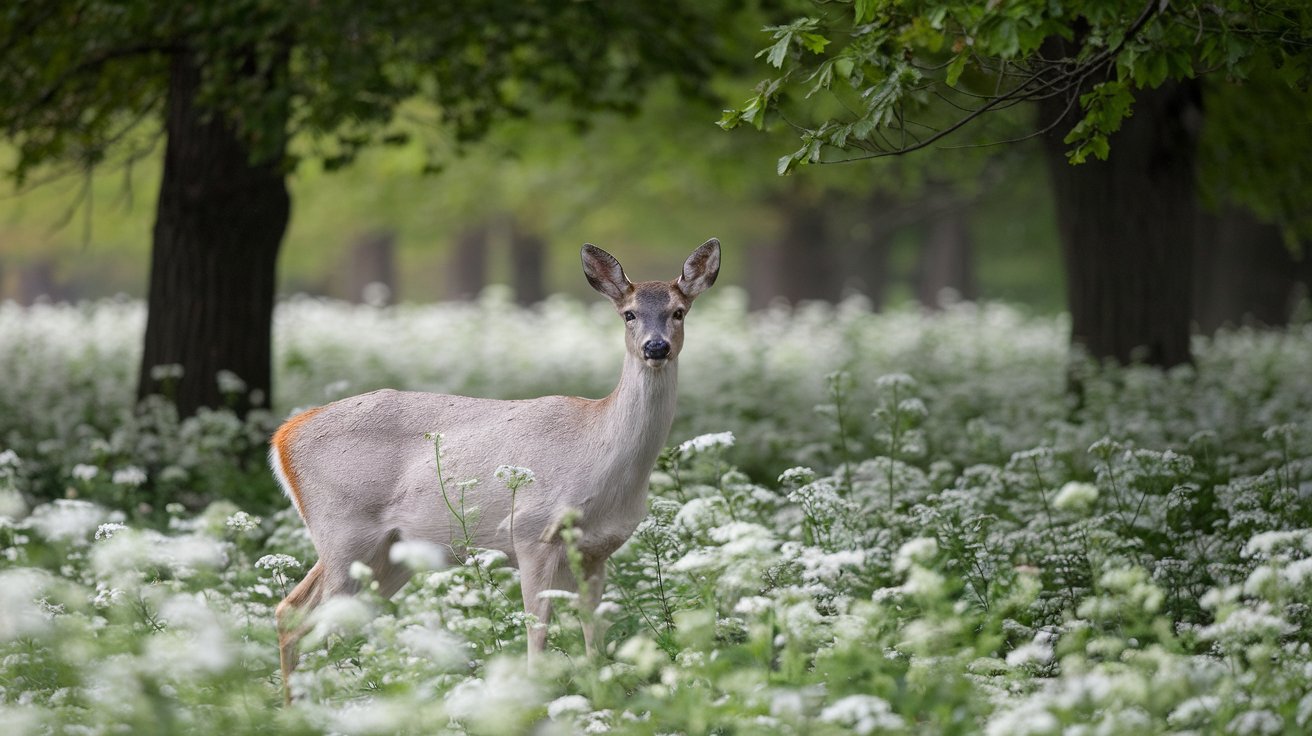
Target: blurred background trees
(485, 151)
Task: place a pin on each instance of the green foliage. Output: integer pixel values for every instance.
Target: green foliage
(79, 75)
(908, 74)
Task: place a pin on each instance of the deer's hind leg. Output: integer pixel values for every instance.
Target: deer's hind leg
(329, 577)
(290, 615)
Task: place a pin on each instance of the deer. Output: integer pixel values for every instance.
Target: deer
(363, 475)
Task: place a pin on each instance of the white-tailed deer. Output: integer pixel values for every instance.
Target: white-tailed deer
(363, 476)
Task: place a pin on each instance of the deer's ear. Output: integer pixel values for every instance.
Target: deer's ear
(700, 270)
(605, 273)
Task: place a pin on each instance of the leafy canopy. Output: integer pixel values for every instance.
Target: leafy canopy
(77, 75)
(871, 78)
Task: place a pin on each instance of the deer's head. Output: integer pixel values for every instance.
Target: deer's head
(653, 311)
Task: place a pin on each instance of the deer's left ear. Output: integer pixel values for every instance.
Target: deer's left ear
(700, 270)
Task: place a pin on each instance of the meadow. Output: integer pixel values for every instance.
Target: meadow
(864, 523)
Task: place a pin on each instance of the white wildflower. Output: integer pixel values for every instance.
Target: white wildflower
(243, 522)
(643, 653)
(1247, 624)
(502, 703)
(418, 555)
(129, 476)
(1256, 722)
(706, 442)
(752, 605)
(84, 472)
(360, 572)
(1038, 651)
(439, 648)
(915, 551)
(1075, 496)
(279, 562)
(895, 381)
(864, 714)
(1266, 543)
(558, 595)
(229, 382)
(337, 615)
(1196, 711)
(67, 519)
(514, 477)
(167, 371)
(19, 590)
(12, 505)
(107, 530)
(195, 643)
(9, 459)
(796, 476)
(566, 706)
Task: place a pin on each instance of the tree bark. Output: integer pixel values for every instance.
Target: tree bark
(527, 256)
(801, 264)
(871, 245)
(466, 273)
(371, 276)
(1244, 273)
(947, 259)
(218, 228)
(1127, 229)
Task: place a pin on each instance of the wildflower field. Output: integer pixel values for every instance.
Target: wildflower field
(864, 523)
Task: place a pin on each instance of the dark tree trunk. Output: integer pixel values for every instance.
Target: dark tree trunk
(1127, 229)
(1244, 274)
(947, 259)
(36, 280)
(219, 225)
(527, 255)
(371, 276)
(466, 273)
(801, 264)
(871, 244)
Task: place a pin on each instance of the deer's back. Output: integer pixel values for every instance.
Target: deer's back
(366, 459)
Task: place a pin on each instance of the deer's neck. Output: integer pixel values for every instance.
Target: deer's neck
(637, 415)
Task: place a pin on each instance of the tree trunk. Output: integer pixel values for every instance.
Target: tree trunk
(1127, 229)
(218, 227)
(36, 281)
(947, 259)
(466, 273)
(1244, 273)
(871, 244)
(527, 253)
(801, 263)
(371, 275)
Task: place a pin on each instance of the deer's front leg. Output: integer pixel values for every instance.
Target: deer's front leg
(594, 629)
(539, 567)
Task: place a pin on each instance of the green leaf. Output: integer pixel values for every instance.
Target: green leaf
(814, 42)
(865, 10)
(775, 55)
(785, 164)
(843, 67)
(955, 68)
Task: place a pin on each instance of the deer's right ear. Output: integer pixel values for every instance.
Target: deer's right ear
(605, 273)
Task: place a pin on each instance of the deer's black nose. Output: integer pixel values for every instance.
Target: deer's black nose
(656, 349)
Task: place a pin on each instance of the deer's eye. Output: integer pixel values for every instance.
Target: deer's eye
(678, 314)
(630, 316)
